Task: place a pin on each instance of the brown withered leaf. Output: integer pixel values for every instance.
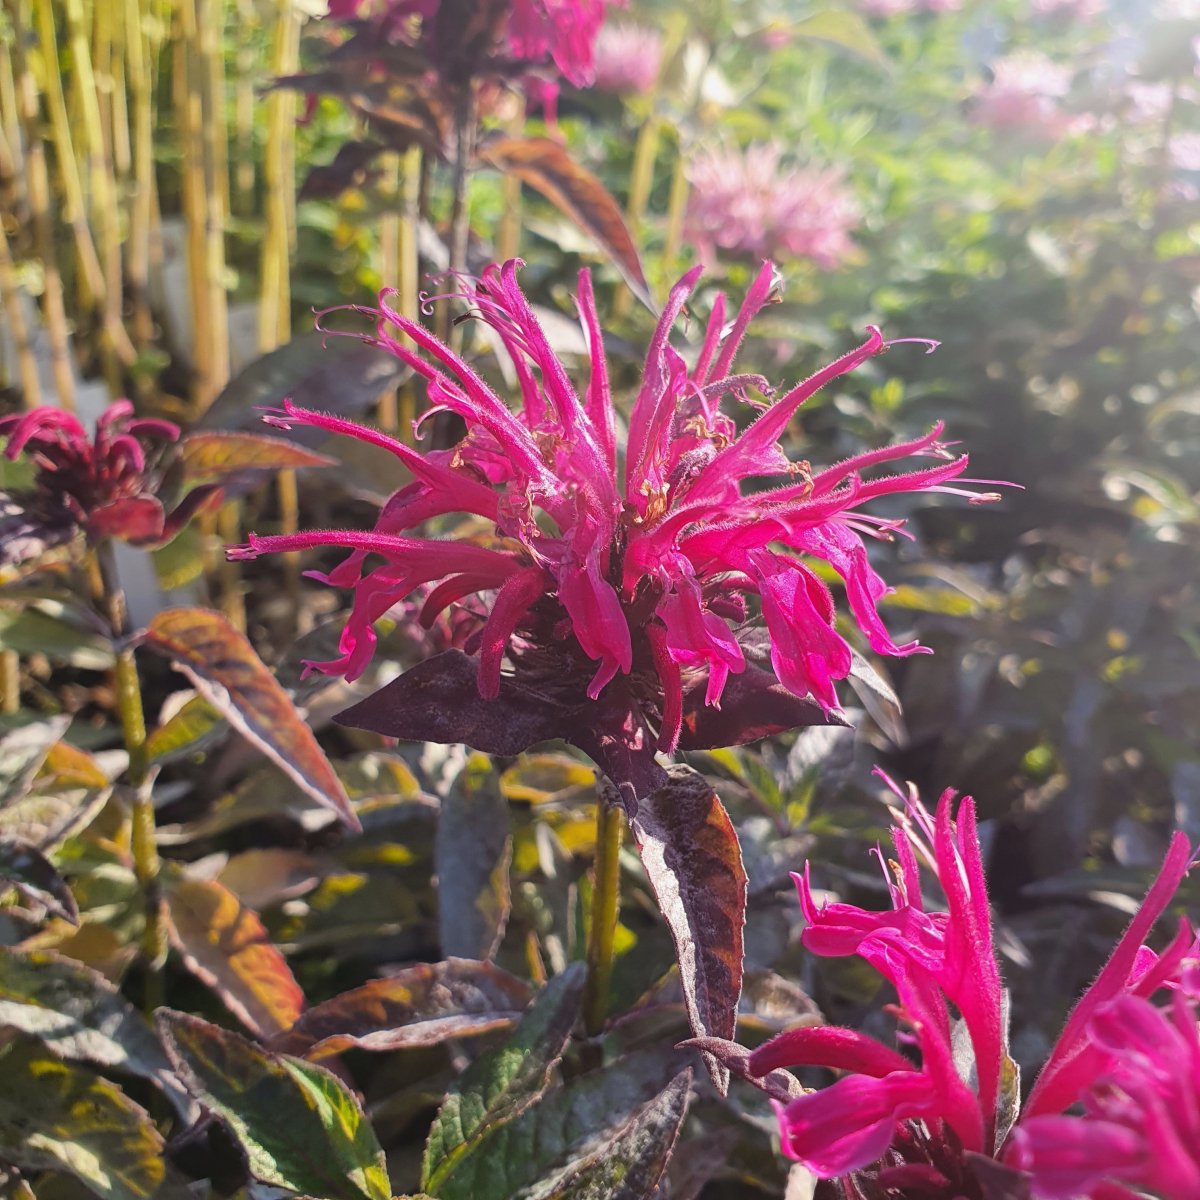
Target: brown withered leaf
(547, 168)
(694, 863)
(224, 944)
(418, 1006)
(226, 671)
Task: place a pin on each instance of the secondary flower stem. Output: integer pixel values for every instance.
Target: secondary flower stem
(606, 899)
(133, 728)
(460, 214)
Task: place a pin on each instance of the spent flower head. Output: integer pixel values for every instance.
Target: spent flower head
(111, 485)
(628, 584)
(943, 1124)
(753, 203)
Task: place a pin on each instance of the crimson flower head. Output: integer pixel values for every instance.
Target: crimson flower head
(642, 593)
(107, 486)
(943, 1125)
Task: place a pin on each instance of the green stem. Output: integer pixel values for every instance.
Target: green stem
(143, 843)
(606, 899)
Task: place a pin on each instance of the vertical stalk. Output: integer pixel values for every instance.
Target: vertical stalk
(37, 183)
(243, 109)
(676, 210)
(10, 121)
(641, 180)
(141, 90)
(275, 297)
(460, 216)
(10, 682)
(14, 310)
(133, 728)
(606, 898)
(408, 269)
(508, 236)
(389, 261)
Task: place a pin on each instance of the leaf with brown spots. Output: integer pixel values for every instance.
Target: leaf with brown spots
(694, 864)
(226, 671)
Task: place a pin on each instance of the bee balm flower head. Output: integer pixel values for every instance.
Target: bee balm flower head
(628, 584)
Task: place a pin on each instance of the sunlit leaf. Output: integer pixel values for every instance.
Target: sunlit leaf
(78, 1014)
(22, 752)
(502, 1083)
(33, 631)
(547, 779)
(226, 671)
(844, 30)
(418, 1006)
(195, 727)
(224, 943)
(55, 1116)
(218, 456)
(472, 854)
(545, 166)
(300, 1126)
(694, 864)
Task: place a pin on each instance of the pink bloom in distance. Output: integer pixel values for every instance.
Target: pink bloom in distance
(753, 204)
(624, 580)
(1024, 96)
(628, 58)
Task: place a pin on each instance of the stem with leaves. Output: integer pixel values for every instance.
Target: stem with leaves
(606, 899)
(133, 728)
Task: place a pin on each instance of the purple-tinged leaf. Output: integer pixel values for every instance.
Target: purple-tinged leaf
(754, 705)
(438, 700)
(778, 1084)
(226, 671)
(351, 167)
(694, 863)
(26, 869)
(418, 1006)
(219, 457)
(630, 1166)
(546, 167)
(994, 1180)
(472, 853)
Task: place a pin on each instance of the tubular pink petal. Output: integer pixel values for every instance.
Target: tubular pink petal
(598, 620)
(672, 688)
(598, 403)
(1068, 1156)
(830, 1046)
(758, 295)
(512, 602)
(712, 339)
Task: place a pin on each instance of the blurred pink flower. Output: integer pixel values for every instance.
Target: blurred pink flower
(628, 58)
(750, 203)
(621, 581)
(1024, 96)
(942, 1127)
(109, 485)
(891, 8)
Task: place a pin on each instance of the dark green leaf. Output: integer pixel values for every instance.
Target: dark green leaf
(472, 854)
(504, 1082)
(299, 1125)
(25, 868)
(55, 1116)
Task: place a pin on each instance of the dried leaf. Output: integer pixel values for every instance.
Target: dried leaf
(499, 1085)
(300, 1126)
(546, 167)
(224, 944)
(226, 671)
(54, 1116)
(694, 864)
(418, 1006)
(472, 854)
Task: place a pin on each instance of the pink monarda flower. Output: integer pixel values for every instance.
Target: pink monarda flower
(751, 203)
(623, 580)
(527, 31)
(628, 59)
(107, 486)
(941, 1126)
(1024, 96)
(1140, 1130)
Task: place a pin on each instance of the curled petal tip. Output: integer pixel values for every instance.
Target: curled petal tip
(242, 553)
(930, 344)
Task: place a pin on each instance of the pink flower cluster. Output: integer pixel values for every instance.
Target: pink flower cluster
(1024, 96)
(943, 1126)
(754, 204)
(628, 567)
(628, 58)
